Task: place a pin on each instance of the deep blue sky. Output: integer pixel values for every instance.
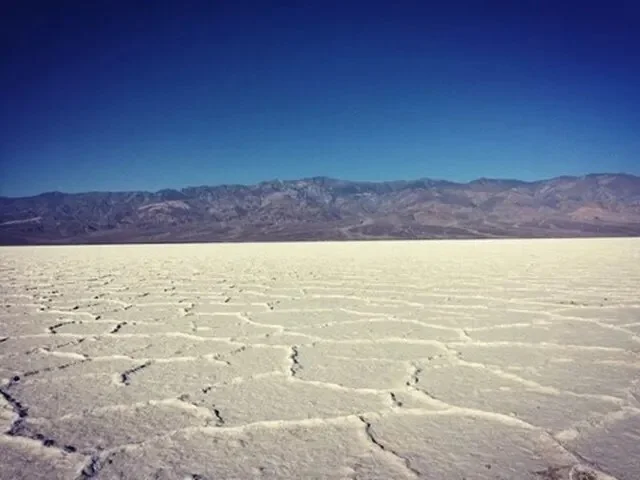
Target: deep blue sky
(146, 95)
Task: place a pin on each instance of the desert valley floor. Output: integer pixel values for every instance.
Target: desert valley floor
(488, 359)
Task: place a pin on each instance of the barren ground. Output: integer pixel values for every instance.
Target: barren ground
(498, 359)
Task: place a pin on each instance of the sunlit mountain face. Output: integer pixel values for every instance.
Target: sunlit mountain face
(322, 208)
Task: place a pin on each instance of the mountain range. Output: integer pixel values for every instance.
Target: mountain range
(322, 208)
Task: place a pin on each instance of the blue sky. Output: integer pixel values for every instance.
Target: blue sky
(150, 95)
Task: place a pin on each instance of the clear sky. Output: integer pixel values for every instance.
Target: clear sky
(131, 95)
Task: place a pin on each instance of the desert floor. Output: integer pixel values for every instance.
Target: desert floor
(500, 359)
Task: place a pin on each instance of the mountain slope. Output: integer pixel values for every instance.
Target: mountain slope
(322, 208)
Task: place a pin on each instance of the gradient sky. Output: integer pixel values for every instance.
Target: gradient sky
(147, 95)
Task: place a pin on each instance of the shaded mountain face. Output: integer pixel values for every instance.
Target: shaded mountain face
(322, 208)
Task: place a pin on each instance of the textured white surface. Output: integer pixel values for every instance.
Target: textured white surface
(502, 359)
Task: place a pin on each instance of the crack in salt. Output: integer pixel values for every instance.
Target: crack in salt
(53, 328)
(117, 328)
(219, 419)
(92, 468)
(394, 401)
(51, 369)
(18, 408)
(367, 428)
(18, 427)
(125, 376)
(413, 378)
(295, 364)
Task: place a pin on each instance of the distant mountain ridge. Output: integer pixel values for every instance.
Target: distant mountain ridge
(323, 208)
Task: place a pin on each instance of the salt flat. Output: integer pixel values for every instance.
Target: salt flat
(501, 359)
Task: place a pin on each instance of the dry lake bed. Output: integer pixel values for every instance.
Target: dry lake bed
(497, 359)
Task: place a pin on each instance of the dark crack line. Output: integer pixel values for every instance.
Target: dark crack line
(216, 412)
(125, 376)
(414, 379)
(220, 356)
(117, 328)
(23, 431)
(193, 324)
(92, 468)
(70, 343)
(219, 419)
(18, 408)
(367, 429)
(219, 359)
(295, 364)
(53, 329)
(395, 402)
(51, 369)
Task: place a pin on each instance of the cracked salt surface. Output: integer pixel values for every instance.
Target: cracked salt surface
(436, 360)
